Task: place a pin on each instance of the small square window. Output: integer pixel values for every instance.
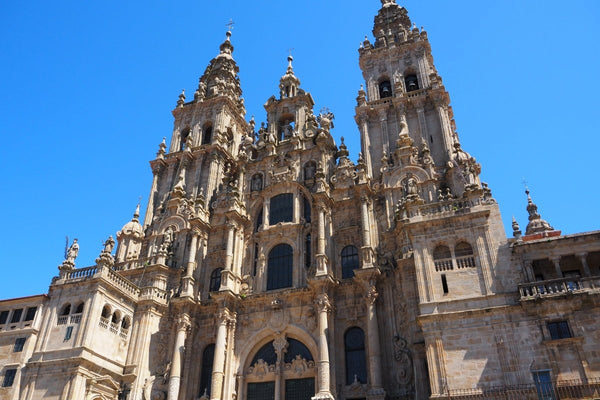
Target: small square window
(30, 315)
(16, 316)
(68, 333)
(3, 317)
(9, 377)
(559, 330)
(19, 344)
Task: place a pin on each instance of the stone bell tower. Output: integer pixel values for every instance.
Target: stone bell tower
(404, 95)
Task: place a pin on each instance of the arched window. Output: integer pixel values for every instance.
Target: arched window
(106, 311)
(442, 258)
(126, 323)
(116, 317)
(411, 82)
(183, 138)
(296, 348)
(464, 255)
(265, 353)
(280, 267)
(463, 249)
(385, 89)
(356, 364)
(207, 134)
(66, 310)
(282, 208)
(79, 308)
(208, 356)
(349, 261)
(215, 280)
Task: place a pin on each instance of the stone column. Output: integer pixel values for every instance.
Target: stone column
(584, 263)
(556, 262)
(323, 371)
(321, 257)
(183, 325)
(229, 251)
(219, 358)
(376, 390)
(187, 288)
(366, 140)
(266, 213)
(528, 271)
(280, 344)
(367, 251)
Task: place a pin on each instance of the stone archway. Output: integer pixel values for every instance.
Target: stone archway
(279, 367)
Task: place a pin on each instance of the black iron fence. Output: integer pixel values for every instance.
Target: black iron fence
(561, 390)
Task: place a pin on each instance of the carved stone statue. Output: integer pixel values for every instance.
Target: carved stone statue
(256, 184)
(109, 245)
(73, 251)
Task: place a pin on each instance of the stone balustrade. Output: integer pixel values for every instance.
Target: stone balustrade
(556, 287)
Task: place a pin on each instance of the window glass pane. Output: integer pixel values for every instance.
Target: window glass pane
(266, 353)
(16, 317)
(261, 391)
(19, 344)
(280, 267)
(207, 365)
(299, 389)
(3, 317)
(356, 366)
(215, 280)
(307, 210)
(296, 347)
(281, 208)
(543, 385)
(349, 261)
(9, 377)
(30, 313)
(68, 333)
(559, 330)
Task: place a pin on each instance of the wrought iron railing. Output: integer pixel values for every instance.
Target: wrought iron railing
(588, 389)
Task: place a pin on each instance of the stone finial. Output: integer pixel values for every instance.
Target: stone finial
(536, 223)
(516, 229)
(162, 149)
(181, 100)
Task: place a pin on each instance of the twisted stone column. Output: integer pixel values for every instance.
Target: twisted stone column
(183, 325)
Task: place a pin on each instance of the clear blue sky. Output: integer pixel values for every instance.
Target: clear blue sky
(87, 90)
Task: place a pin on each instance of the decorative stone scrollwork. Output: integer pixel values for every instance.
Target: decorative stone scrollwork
(260, 368)
(371, 295)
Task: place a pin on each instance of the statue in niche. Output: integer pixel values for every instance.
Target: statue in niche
(309, 171)
(73, 251)
(411, 186)
(256, 183)
(168, 237)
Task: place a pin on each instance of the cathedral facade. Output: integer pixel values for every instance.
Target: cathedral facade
(269, 265)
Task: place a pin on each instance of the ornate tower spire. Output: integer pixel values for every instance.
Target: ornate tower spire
(289, 83)
(536, 223)
(221, 77)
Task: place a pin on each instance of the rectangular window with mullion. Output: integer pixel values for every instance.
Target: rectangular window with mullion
(559, 330)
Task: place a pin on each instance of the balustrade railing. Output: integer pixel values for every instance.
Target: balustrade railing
(80, 273)
(62, 320)
(465, 262)
(444, 264)
(553, 287)
(103, 322)
(75, 319)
